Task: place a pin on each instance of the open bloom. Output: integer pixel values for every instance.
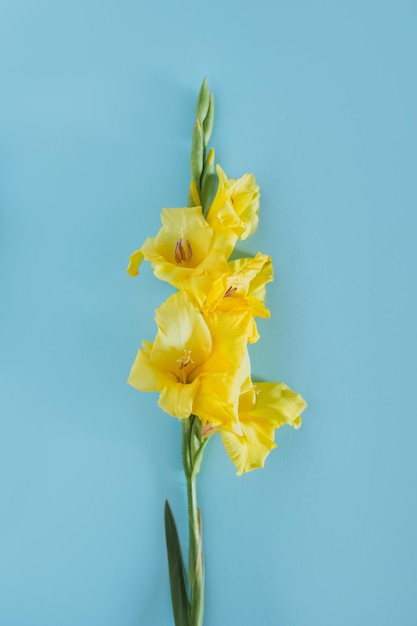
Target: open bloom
(262, 408)
(235, 206)
(242, 288)
(186, 252)
(194, 361)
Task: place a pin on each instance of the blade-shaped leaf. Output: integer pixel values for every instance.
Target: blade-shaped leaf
(177, 575)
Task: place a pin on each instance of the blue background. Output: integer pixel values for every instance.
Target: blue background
(319, 100)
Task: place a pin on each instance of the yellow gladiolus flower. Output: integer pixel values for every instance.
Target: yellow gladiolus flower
(194, 362)
(186, 252)
(242, 288)
(235, 206)
(263, 407)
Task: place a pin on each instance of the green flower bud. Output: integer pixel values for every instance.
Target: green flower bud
(197, 152)
(202, 102)
(209, 120)
(207, 179)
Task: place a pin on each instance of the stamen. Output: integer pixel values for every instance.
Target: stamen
(185, 360)
(189, 251)
(183, 254)
(230, 291)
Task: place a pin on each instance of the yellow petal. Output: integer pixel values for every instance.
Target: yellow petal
(262, 409)
(194, 193)
(181, 328)
(142, 375)
(194, 361)
(217, 398)
(236, 205)
(177, 399)
(233, 291)
(229, 332)
(256, 272)
(186, 224)
(278, 403)
(135, 260)
(247, 452)
(186, 252)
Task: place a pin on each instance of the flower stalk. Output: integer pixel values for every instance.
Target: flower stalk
(193, 445)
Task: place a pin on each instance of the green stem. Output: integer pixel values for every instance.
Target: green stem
(192, 448)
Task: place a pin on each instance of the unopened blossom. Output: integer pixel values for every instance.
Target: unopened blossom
(235, 206)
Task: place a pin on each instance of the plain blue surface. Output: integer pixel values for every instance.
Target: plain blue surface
(319, 100)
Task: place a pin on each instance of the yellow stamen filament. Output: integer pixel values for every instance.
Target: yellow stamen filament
(183, 252)
(183, 362)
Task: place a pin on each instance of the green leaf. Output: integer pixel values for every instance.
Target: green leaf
(177, 575)
(197, 152)
(208, 121)
(202, 102)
